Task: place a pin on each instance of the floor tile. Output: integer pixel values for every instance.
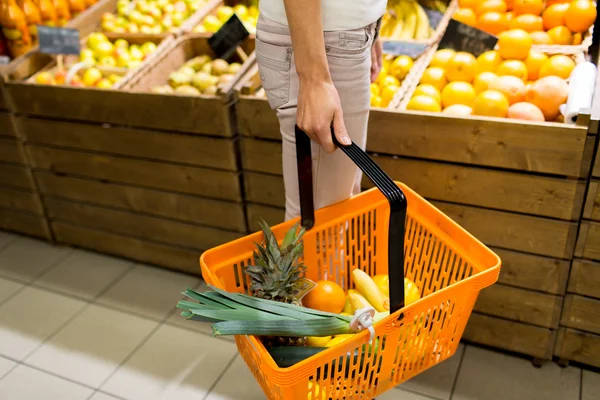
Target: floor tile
(246, 387)
(173, 364)
(5, 366)
(591, 386)
(103, 396)
(7, 288)
(6, 238)
(84, 274)
(91, 347)
(25, 383)
(399, 394)
(438, 380)
(148, 291)
(30, 317)
(487, 375)
(25, 259)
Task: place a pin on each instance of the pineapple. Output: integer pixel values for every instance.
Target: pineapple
(278, 275)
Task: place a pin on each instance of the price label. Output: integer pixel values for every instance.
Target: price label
(461, 37)
(228, 38)
(399, 48)
(58, 40)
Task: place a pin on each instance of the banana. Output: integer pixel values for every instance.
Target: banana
(410, 20)
(397, 32)
(368, 288)
(423, 28)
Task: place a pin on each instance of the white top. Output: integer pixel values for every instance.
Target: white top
(338, 15)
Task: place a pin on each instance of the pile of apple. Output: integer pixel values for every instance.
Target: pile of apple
(120, 53)
(91, 77)
(213, 22)
(200, 75)
(149, 16)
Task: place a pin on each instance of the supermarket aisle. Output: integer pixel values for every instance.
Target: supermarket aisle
(77, 325)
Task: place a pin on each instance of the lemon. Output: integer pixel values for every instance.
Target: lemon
(382, 75)
(375, 89)
(317, 341)
(375, 100)
(389, 80)
(241, 11)
(383, 283)
(319, 393)
(429, 90)
(400, 66)
(387, 94)
(224, 13)
(212, 23)
(423, 103)
(441, 58)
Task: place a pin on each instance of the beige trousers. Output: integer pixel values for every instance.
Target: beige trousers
(335, 177)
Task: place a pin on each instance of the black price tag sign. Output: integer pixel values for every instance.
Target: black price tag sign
(435, 17)
(58, 40)
(228, 38)
(399, 48)
(461, 37)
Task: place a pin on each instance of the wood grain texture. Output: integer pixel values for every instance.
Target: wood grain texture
(512, 336)
(585, 278)
(186, 208)
(6, 125)
(520, 305)
(256, 119)
(527, 271)
(548, 148)
(20, 200)
(132, 248)
(261, 156)
(592, 202)
(271, 215)
(20, 177)
(11, 151)
(582, 313)
(24, 223)
(185, 179)
(264, 189)
(588, 241)
(578, 346)
(142, 226)
(170, 147)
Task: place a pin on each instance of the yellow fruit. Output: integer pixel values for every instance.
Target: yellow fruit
(375, 89)
(383, 283)
(318, 341)
(326, 296)
(534, 62)
(337, 340)
(367, 287)
(375, 100)
(400, 66)
(357, 300)
(423, 103)
(488, 62)
(458, 93)
(315, 392)
(427, 90)
(389, 80)
(491, 103)
(411, 291)
(442, 57)
(558, 65)
(382, 75)
(387, 94)
(514, 44)
(513, 67)
(458, 110)
(462, 67)
(482, 81)
(347, 306)
(435, 76)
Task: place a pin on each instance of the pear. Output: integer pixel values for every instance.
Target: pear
(224, 13)
(114, 78)
(103, 49)
(211, 90)
(187, 71)
(148, 47)
(202, 81)
(135, 53)
(234, 68)
(198, 62)
(177, 79)
(94, 39)
(187, 90)
(107, 61)
(219, 67)
(207, 68)
(121, 44)
(104, 83)
(225, 79)
(166, 89)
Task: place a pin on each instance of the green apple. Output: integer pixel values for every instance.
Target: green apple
(95, 39)
(211, 23)
(145, 29)
(108, 25)
(132, 28)
(121, 44)
(135, 52)
(122, 22)
(148, 47)
(168, 8)
(224, 13)
(91, 76)
(156, 29)
(86, 55)
(178, 18)
(133, 64)
(104, 83)
(137, 17)
(107, 61)
(103, 49)
(114, 78)
(123, 59)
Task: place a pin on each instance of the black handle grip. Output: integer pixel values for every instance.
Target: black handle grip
(394, 195)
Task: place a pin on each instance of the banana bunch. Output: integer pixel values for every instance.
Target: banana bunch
(406, 20)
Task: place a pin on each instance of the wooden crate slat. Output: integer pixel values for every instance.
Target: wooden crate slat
(20, 200)
(509, 335)
(19, 177)
(588, 242)
(11, 151)
(178, 178)
(261, 156)
(25, 223)
(592, 203)
(264, 189)
(271, 215)
(520, 305)
(578, 346)
(585, 278)
(6, 126)
(178, 148)
(142, 226)
(582, 313)
(256, 119)
(131, 248)
(217, 213)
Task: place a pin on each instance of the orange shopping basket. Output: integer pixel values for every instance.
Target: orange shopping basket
(387, 231)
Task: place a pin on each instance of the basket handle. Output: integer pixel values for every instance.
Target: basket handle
(394, 195)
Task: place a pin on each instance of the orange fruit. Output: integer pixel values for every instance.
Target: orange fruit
(557, 65)
(526, 111)
(551, 2)
(428, 90)
(514, 44)
(492, 22)
(511, 87)
(554, 15)
(534, 62)
(548, 94)
(527, 22)
(577, 38)
(488, 61)
(534, 7)
(461, 67)
(513, 67)
(507, 17)
(467, 3)
(561, 35)
(482, 81)
(580, 16)
(490, 103)
(326, 296)
(458, 92)
(441, 58)
(458, 110)
(435, 76)
(423, 103)
(540, 37)
(490, 6)
(466, 16)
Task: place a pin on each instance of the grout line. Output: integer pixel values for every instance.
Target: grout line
(214, 385)
(415, 392)
(10, 242)
(462, 358)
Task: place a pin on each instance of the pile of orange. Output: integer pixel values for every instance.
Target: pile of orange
(513, 81)
(560, 22)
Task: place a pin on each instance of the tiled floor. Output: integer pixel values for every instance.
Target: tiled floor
(77, 325)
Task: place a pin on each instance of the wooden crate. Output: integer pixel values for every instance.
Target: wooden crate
(578, 346)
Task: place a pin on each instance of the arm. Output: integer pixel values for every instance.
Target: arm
(318, 100)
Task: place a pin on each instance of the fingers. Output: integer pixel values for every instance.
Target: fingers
(339, 129)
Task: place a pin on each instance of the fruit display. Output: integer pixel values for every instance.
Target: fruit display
(514, 81)
(553, 22)
(200, 75)
(99, 50)
(407, 20)
(393, 72)
(248, 14)
(89, 77)
(149, 16)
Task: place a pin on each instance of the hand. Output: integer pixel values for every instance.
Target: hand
(318, 106)
(376, 59)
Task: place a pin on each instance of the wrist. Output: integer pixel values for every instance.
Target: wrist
(313, 73)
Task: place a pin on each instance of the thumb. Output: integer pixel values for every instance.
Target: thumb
(339, 129)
